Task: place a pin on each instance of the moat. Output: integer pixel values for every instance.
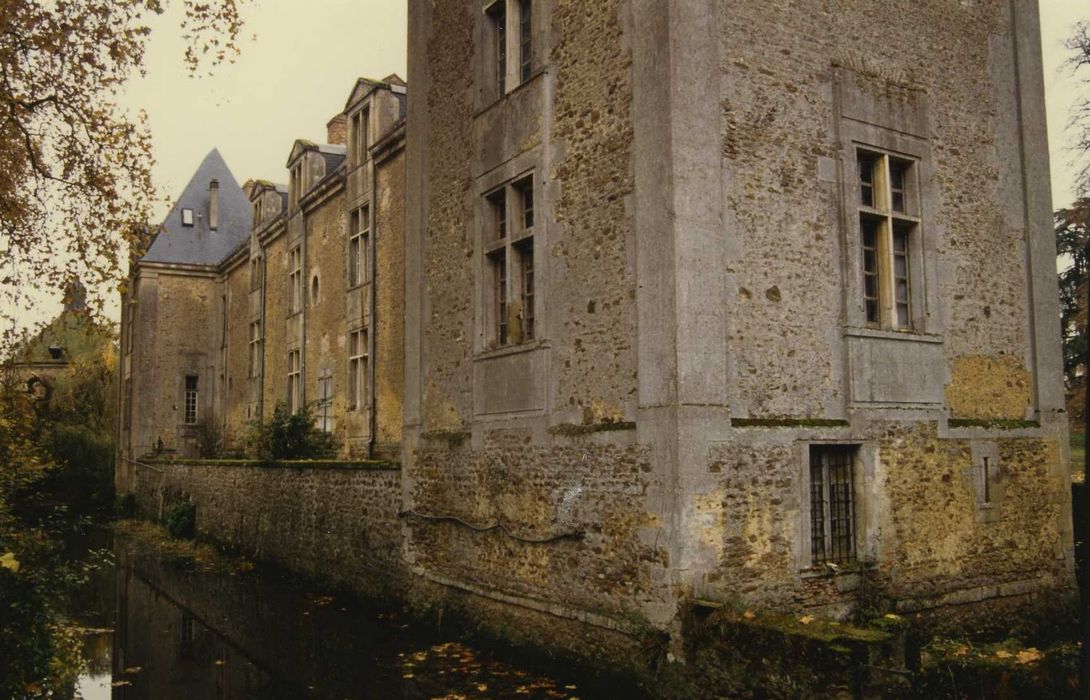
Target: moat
(170, 620)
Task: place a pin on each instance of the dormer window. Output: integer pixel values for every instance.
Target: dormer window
(187, 217)
(257, 213)
(296, 187)
(361, 138)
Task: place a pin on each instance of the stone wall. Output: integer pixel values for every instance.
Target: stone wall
(506, 519)
(389, 322)
(337, 522)
(235, 407)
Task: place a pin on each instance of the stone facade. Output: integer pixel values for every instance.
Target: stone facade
(660, 314)
(704, 348)
(255, 309)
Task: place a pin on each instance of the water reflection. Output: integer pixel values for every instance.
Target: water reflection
(181, 630)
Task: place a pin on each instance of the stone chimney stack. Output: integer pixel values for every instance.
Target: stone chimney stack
(213, 204)
(337, 130)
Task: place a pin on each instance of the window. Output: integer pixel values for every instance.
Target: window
(187, 217)
(526, 47)
(257, 213)
(191, 396)
(358, 246)
(361, 138)
(887, 226)
(509, 251)
(832, 507)
(295, 280)
(324, 417)
(510, 19)
(526, 265)
(357, 368)
(295, 397)
(295, 191)
(255, 349)
(497, 15)
(255, 274)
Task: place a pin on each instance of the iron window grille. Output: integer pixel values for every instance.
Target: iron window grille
(832, 507)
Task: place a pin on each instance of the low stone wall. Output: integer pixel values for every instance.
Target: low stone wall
(332, 520)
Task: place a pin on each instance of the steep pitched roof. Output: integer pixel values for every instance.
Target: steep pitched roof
(198, 244)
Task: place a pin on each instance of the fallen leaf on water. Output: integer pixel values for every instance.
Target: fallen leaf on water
(806, 619)
(121, 684)
(9, 562)
(1028, 656)
(407, 675)
(748, 614)
(569, 687)
(963, 650)
(133, 669)
(219, 662)
(481, 687)
(1003, 654)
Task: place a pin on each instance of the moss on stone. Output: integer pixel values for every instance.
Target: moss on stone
(993, 423)
(573, 430)
(788, 423)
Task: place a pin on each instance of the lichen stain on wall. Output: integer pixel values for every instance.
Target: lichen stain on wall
(935, 527)
(989, 387)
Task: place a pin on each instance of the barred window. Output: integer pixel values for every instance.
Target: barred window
(832, 507)
(191, 396)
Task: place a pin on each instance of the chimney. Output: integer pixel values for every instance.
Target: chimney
(337, 130)
(213, 204)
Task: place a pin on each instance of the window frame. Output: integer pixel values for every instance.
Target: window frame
(886, 291)
(866, 473)
(508, 230)
(358, 360)
(508, 36)
(359, 242)
(295, 373)
(255, 350)
(323, 416)
(191, 399)
(295, 280)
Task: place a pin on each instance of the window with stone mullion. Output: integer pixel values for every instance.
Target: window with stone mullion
(886, 228)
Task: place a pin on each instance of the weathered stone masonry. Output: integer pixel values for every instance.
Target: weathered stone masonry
(701, 285)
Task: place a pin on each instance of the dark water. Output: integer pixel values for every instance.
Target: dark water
(162, 626)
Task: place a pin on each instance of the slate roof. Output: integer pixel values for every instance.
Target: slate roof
(197, 244)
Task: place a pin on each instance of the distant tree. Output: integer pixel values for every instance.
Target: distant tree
(1079, 62)
(1071, 241)
(75, 168)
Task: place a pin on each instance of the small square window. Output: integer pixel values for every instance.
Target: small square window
(187, 217)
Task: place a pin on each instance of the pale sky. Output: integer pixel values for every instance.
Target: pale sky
(300, 59)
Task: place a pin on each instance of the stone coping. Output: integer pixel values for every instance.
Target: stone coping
(331, 464)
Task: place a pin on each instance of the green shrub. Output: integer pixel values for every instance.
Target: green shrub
(182, 521)
(289, 436)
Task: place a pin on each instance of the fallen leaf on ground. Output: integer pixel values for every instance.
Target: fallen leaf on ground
(1003, 654)
(133, 669)
(806, 619)
(749, 614)
(121, 684)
